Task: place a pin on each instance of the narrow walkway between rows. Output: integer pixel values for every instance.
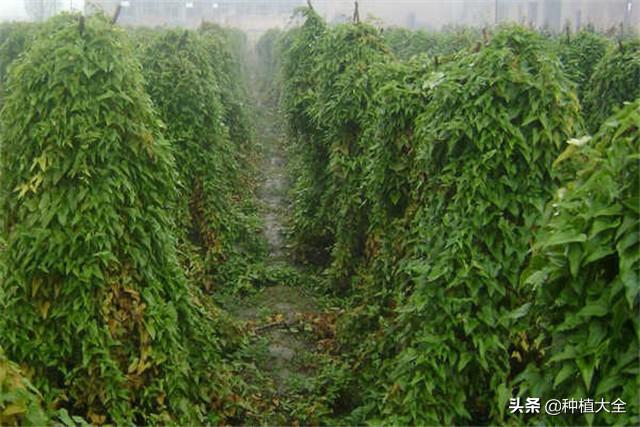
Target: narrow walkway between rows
(290, 326)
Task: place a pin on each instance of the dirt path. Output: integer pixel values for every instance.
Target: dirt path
(273, 190)
(284, 320)
(277, 316)
(282, 304)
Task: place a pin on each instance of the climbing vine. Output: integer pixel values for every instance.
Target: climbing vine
(480, 179)
(615, 79)
(95, 303)
(311, 234)
(185, 87)
(466, 200)
(429, 178)
(580, 53)
(584, 275)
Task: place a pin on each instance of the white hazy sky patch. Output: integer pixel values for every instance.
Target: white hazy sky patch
(14, 9)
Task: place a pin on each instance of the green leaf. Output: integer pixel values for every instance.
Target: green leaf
(64, 417)
(607, 384)
(568, 370)
(520, 311)
(594, 309)
(586, 367)
(562, 238)
(574, 256)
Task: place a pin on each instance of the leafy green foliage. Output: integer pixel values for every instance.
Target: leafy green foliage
(268, 60)
(94, 300)
(405, 43)
(15, 37)
(584, 277)
(615, 79)
(298, 72)
(580, 54)
(434, 176)
(326, 92)
(20, 402)
(142, 37)
(185, 87)
(228, 70)
(343, 95)
(486, 142)
(312, 237)
(402, 95)
(420, 184)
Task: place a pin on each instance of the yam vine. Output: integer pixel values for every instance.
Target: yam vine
(580, 54)
(184, 85)
(95, 302)
(445, 224)
(427, 169)
(584, 275)
(615, 79)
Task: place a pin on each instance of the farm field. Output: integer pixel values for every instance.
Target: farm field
(344, 224)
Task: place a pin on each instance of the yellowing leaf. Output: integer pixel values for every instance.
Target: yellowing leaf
(14, 408)
(44, 309)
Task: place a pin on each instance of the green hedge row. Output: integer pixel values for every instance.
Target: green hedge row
(425, 188)
(115, 172)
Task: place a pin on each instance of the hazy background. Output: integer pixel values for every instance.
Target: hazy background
(16, 9)
(256, 16)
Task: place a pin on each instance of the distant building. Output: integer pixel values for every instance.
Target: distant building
(556, 14)
(257, 16)
(434, 14)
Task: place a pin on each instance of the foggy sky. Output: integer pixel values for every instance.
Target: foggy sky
(412, 13)
(14, 9)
